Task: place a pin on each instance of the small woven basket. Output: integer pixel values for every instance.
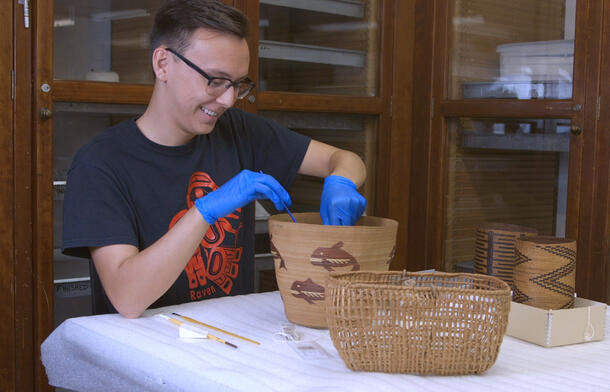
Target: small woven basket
(495, 249)
(424, 323)
(545, 272)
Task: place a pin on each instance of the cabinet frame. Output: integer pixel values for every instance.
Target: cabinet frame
(8, 335)
(42, 188)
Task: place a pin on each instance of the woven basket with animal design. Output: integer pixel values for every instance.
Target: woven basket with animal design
(423, 323)
(306, 252)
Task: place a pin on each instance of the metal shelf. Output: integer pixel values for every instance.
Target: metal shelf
(352, 8)
(532, 142)
(525, 89)
(309, 53)
(68, 269)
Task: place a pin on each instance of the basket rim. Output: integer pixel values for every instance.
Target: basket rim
(335, 278)
(282, 218)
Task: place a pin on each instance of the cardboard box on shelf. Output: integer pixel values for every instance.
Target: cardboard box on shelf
(585, 322)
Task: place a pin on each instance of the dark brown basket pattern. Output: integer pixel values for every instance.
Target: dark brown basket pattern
(424, 323)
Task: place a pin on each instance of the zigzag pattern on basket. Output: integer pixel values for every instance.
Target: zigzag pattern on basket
(520, 296)
(550, 280)
(520, 258)
(560, 251)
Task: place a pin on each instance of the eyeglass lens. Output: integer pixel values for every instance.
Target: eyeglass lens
(219, 86)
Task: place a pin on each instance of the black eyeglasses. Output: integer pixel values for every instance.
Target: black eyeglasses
(218, 85)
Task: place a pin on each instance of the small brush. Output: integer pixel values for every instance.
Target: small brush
(285, 206)
(203, 333)
(290, 214)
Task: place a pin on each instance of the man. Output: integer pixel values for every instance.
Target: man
(162, 204)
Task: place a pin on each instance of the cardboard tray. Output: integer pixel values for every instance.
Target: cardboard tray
(550, 328)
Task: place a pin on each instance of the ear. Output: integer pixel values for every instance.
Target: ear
(160, 63)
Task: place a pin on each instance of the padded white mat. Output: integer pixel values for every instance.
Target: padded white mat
(111, 353)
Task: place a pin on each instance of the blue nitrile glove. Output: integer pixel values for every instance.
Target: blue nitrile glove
(238, 192)
(341, 203)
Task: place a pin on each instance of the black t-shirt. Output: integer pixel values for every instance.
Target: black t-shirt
(122, 188)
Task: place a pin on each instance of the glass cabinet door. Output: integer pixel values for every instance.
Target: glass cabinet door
(519, 49)
(321, 46)
(513, 169)
(103, 40)
(93, 41)
(313, 48)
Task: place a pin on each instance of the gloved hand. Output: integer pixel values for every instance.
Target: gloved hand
(341, 203)
(238, 192)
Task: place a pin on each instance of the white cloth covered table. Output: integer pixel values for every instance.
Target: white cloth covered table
(112, 353)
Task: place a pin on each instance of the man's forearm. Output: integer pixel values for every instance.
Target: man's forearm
(347, 164)
(137, 281)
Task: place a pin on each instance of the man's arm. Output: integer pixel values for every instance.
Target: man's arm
(134, 280)
(343, 173)
(323, 160)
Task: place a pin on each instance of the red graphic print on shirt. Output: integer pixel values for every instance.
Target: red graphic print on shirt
(215, 263)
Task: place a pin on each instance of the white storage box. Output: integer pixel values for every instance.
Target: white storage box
(537, 61)
(585, 322)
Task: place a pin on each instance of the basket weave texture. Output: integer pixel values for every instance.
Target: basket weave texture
(424, 323)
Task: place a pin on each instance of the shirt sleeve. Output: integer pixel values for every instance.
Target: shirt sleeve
(96, 212)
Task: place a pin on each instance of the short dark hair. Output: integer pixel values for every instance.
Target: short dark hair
(176, 20)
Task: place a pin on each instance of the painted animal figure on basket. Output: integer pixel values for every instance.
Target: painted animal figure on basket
(308, 290)
(276, 255)
(333, 257)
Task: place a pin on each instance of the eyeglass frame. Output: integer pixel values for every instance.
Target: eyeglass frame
(210, 79)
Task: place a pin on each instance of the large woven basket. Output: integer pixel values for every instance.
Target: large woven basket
(424, 323)
(306, 252)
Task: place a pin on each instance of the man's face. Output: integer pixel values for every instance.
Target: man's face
(189, 99)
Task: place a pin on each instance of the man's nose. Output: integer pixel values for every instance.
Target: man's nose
(228, 98)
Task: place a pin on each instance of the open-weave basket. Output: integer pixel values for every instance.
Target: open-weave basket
(425, 323)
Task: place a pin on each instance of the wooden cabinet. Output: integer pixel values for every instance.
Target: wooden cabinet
(413, 86)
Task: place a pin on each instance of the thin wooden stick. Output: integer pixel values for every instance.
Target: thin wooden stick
(214, 328)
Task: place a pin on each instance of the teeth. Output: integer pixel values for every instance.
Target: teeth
(209, 112)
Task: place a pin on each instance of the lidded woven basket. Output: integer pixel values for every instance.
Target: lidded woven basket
(424, 323)
(495, 249)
